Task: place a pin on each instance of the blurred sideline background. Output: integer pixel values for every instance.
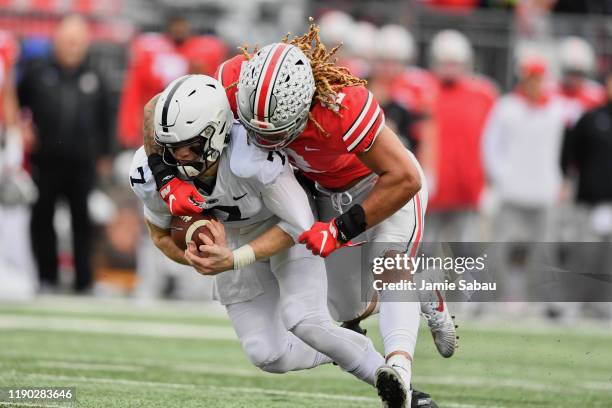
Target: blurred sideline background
(463, 82)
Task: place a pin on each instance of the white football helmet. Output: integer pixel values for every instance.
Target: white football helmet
(275, 91)
(395, 43)
(362, 42)
(576, 56)
(336, 27)
(193, 111)
(451, 46)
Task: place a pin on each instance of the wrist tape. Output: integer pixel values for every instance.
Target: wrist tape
(243, 256)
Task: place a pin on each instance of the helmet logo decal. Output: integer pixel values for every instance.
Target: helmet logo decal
(269, 73)
(164, 118)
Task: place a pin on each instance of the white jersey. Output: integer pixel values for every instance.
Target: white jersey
(252, 186)
(254, 190)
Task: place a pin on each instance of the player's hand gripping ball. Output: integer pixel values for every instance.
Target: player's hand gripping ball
(184, 229)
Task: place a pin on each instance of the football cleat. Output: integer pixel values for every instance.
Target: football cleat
(391, 388)
(441, 324)
(421, 399)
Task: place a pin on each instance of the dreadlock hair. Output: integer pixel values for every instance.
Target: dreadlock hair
(329, 78)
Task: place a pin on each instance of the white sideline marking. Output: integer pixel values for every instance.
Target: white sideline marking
(114, 327)
(598, 386)
(142, 365)
(314, 395)
(104, 380)
(482, 381)
(88, 366)
(120, 306)
(31, 404)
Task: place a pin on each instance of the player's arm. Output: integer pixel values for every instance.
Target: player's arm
(215, 257)
(398, 178)
(162, 240)
(398, 181)
(286, 199)
(148, 129)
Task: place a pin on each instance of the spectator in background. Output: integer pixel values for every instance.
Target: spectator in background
(460, 105)
(521, 151)
(157, 59)
(16, 188)
(577, 61)
(396, 49)
(70, 113)
(587, 152)
(587, 156)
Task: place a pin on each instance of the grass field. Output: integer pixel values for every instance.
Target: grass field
(118, 354)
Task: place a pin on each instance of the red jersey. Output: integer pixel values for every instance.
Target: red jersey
(414, 88)
(329, 157)
(155, 62)
(460, 112)
(8, 54)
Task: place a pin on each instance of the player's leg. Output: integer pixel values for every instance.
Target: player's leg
(263, 336)
(80, 186)
(303, 289)
(42, 232)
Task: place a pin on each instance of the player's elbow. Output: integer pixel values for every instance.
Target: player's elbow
(409, 183)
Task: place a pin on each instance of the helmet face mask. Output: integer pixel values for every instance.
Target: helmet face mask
(275, 92)
(200, 147)
(193, 112)
(264, 135)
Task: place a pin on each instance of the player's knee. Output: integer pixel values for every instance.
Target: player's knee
(313, 330)
(261, 353)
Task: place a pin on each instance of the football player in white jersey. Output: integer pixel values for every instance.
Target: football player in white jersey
(274, 291)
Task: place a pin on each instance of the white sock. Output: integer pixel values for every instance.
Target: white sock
(403, 366)
(399, 324)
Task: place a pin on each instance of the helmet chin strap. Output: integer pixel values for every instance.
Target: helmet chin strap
(211, 171)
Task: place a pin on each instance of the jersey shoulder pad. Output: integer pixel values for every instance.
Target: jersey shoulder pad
(358, 119)
(228, 73)
(140, 176)
(143, 184)
(248, 161)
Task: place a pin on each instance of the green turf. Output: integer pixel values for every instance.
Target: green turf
(505, 367)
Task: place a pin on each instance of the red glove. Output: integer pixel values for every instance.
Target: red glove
(322, 238)
(181, 197)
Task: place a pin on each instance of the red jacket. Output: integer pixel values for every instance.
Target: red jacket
(9, 51)
(460, 112)
(155, 62)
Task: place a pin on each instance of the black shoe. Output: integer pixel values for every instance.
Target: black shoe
(421, 399)
(354, 327)
(391, 389)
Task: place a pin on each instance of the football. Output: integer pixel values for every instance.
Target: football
(188, 227)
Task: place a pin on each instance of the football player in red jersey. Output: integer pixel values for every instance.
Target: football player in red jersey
(156, 59)
(291, 96)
